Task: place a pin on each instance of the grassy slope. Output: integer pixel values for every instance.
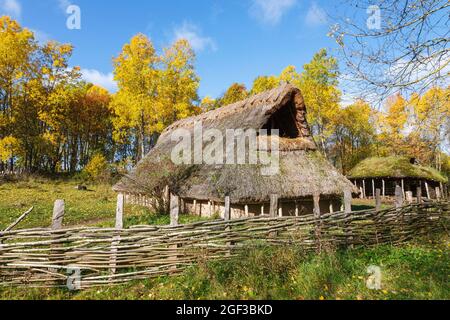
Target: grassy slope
(413, 271)
(95, 207)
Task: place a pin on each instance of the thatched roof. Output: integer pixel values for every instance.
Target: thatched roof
(394, 167)
(303, 171)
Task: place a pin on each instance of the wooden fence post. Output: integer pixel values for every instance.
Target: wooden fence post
(378, 200)
(348, 201)
(273, 212)
(227, 217)
(317, 216)
(174, 210)
(348, 211)
(398, 197)
(174, 216)
(57, 222)
(119, 226)
(120, 210)
(58, 214)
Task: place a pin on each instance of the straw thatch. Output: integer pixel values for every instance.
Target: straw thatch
(395, 167)
(303, 171)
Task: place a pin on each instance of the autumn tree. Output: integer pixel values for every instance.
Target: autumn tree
(135, 104)
(236, 92)
(178, 86)
(319, 86)
(354, 135)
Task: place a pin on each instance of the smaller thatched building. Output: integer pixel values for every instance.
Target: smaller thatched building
(305, 181)
(389, 172)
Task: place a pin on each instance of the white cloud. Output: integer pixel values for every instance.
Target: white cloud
(193, 34)
(12, 8)
(316, 16)
(98, 78)
(271, 11)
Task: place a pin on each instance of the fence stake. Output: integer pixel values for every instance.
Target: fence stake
(378, 200)
(120, 210)
(174, 210)
(317, 216)
(348, 212)
(58, 215)
(398, 197)
(227, 217)
(273, 205)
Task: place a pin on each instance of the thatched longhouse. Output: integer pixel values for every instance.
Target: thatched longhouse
(303, 172)
(389, 172)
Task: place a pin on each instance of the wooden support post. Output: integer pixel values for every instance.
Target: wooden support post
(273, 205)
(317, 212)
(166, 199)
(398, 197)
(331, 206)
(195, 207)
(419, 194)
(373, 188)
(246, 210)
(403, 188)
(297, 211)
(444, 194)
(262, 210)
(427, 188)
(174, 210)
(280, 210)
(378, 200)
(409, 197)
(361, 193)
(120, 210)
(58, 214)
(384, 188)
(210, 209)
(438, 193)
(364, 189)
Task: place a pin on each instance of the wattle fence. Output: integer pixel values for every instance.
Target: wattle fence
(87, 257)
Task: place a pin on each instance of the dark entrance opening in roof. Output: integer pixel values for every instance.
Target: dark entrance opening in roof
(285, 120)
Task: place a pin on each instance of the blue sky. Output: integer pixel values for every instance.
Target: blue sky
(235, 40)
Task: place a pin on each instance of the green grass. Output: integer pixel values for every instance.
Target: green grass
(368, 204)
(95, 207)
(413, 271)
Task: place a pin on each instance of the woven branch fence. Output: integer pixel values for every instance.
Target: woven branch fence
(50, 258)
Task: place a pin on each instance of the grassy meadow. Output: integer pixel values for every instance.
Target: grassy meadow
(417, 270)
(94, 207)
